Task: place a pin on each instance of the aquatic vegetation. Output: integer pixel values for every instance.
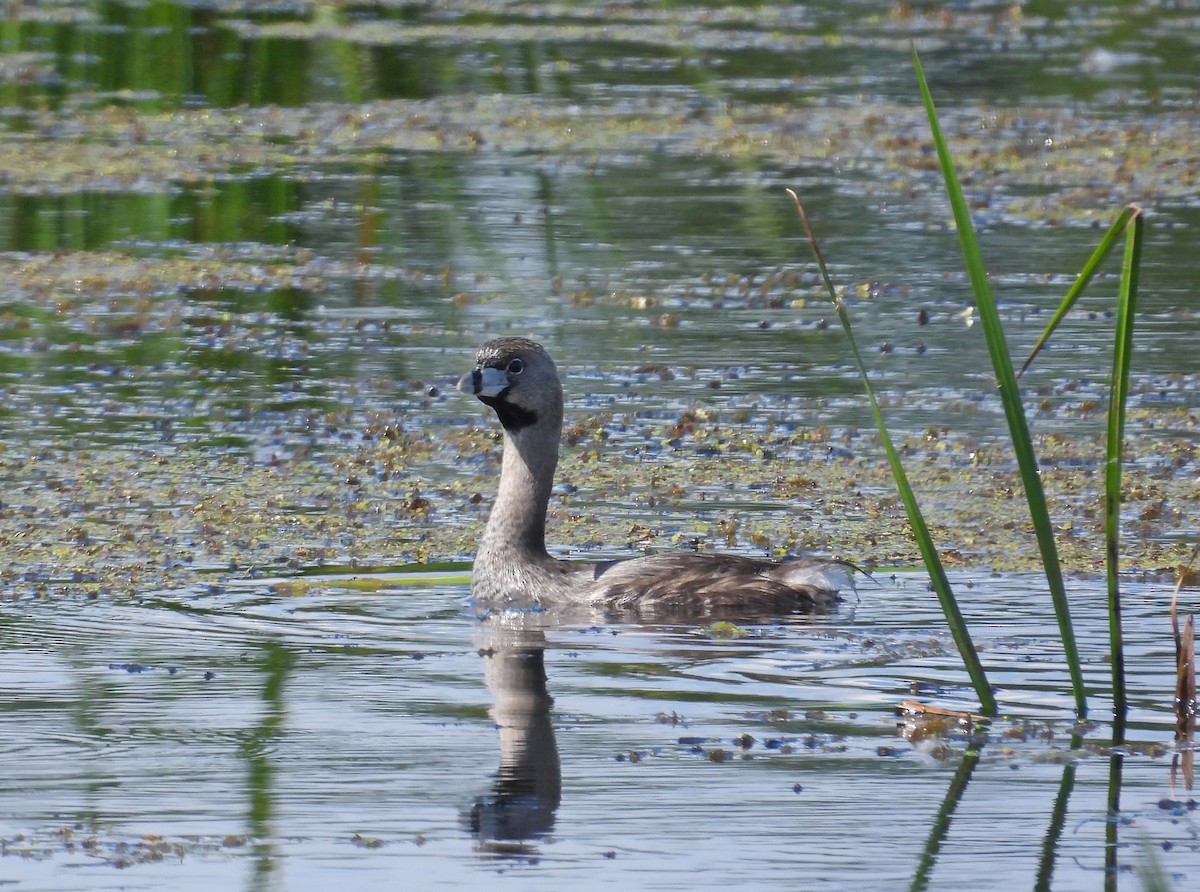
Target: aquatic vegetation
(1128, 226)
(1185, 673)
(917, 523)
(246, 245)
(81, 520)
(1039, 166)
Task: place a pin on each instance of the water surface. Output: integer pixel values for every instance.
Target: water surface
(241, 739)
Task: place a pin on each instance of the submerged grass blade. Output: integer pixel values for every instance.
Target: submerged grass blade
(1006, 380)
(937, 573)
(1114, 457)
(1085, 277)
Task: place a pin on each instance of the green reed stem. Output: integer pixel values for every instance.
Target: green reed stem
(937, 573)
(1114, 234)
(1006, 380)
(1129, 225)
(1114, 455)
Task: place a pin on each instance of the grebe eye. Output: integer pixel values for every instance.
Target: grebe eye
(516, 367)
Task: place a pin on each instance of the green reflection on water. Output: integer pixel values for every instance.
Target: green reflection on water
(259, 750)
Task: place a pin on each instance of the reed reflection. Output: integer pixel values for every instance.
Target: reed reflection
(520, 807)
(945, 815)
(1058, 818)
(258, 749)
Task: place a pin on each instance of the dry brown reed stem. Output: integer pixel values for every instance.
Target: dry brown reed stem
(1185, 662)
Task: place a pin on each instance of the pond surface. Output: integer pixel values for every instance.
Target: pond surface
(246, 250)
(240, 739)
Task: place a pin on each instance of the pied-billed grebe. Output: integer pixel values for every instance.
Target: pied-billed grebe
(517, 378)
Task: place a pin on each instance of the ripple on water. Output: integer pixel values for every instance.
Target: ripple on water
(333, 729)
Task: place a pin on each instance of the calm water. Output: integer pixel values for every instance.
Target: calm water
(230, 233)
(267, 742)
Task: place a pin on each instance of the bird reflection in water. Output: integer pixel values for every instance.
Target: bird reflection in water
(520, 807)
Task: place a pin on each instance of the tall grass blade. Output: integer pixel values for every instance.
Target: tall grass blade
(1006, 380)
(1085, 277)
(937, 573)
(1130, 224)
(1114, 457)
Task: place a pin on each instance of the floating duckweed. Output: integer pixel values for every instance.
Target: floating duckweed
(726, 630)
